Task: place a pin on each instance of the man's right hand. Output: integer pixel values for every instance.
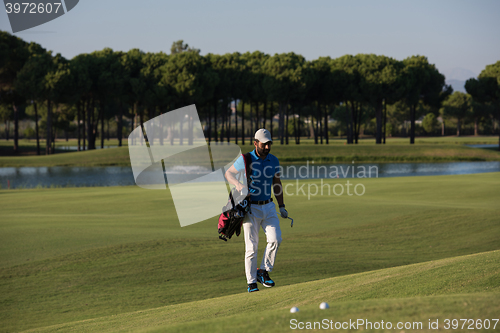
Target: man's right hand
(242, 189)
(230, 173)
(283, 212)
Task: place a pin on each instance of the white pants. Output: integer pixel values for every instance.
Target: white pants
(264, 216)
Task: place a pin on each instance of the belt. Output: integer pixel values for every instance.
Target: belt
(262, 202)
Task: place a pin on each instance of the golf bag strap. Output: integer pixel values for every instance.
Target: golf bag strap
(247, 159)
(248, 167)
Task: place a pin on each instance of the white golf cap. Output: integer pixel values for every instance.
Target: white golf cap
(263, 135)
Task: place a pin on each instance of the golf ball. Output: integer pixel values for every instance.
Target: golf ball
(324, 306)
(294, 309)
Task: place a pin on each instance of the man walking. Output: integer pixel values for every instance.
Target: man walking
(265, 175)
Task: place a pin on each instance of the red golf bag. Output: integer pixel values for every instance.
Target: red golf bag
(238, 205)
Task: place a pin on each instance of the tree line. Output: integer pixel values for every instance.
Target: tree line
(91, 88)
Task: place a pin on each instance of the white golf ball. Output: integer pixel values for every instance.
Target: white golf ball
(324, 306)
(294, 309)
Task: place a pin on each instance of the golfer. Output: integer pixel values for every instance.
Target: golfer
(265, 175)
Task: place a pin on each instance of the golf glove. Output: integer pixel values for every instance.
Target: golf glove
(283, 212)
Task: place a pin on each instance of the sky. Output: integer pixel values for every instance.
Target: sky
(459, 37)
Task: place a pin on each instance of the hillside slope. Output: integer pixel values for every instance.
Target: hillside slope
(454, 288)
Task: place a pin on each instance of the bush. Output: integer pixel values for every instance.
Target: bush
(29, 133)
(429, 123)
(389, 129)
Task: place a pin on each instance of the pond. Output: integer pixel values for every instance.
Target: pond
(75, 148)
(488, 145)
(31, 177)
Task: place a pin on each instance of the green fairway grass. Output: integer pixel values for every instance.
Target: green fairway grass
(76, 254)
(461, 287)
(446, 149)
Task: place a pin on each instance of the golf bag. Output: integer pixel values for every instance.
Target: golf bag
(238, 205)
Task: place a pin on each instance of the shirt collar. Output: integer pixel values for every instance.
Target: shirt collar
(268, 158)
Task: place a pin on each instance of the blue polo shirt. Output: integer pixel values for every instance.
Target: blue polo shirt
(263, 172)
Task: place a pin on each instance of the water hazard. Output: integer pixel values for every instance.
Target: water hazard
(32, 177)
